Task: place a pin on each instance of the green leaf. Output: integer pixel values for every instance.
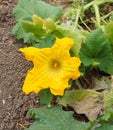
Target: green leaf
(109, 33)
(105, 127)
(25, 9)
(54, 118)
(39, 27)
(45, 97)
(97, 49)
(105, 121)
(20, 33)
(107, 117)
(46, 43)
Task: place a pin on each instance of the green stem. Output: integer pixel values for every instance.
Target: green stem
(78, 84)
(85, 24)
(97, 14)
(88, 5)
(104, 21)
(107, 15)
(80, 27)
(77, 17)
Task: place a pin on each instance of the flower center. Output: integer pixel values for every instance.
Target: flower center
(55, 64)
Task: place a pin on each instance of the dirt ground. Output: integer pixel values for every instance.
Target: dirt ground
(14, 104)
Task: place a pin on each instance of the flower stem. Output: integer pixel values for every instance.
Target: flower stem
(107, 15)
(85, 24)
(78, 84)
(97, 14)
(77, 17)
(88, 5)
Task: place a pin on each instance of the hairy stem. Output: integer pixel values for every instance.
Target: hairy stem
(77, 17)
(97, 14)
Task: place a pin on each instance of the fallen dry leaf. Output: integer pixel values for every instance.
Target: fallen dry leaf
(91, 107)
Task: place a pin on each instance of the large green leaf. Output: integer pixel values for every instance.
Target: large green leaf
(25, 9)
(54, 118)
(97, 50)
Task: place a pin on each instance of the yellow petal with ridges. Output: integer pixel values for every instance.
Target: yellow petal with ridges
(53, 67)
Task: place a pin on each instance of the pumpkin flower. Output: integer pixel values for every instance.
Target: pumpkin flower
(53, 67)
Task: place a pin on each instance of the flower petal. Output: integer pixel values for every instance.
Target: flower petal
(62, 46)
(34, 82)
(30, 52)
(70, 68)
(53, 67)
(59, 87)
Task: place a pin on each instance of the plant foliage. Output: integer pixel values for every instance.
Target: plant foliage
(96, 50)
(40, 24)
(54, 118)
(24, 11)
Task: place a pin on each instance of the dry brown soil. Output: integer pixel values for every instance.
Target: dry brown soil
(14, 104)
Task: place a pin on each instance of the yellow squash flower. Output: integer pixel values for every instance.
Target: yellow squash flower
(53, 67)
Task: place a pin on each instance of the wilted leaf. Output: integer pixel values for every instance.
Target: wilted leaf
(97, 49)
(102, 84)
(86, 102)
(108, 99)
(55, 118)
(91, 107)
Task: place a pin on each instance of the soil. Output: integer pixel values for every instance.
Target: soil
(14, 104)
